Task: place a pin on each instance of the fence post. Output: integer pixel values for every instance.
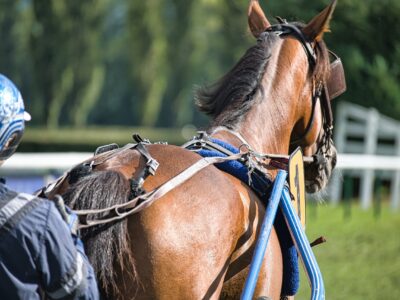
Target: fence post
(367, 178)
(378, 196)
(336, 183)
(347, 195)
(395, 184)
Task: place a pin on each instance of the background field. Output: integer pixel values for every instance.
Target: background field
(361, 257)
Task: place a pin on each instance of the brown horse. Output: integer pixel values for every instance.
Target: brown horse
(196, 241)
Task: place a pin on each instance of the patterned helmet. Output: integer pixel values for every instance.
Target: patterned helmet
(12, 117)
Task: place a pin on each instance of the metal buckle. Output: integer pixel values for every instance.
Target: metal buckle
(152, 164)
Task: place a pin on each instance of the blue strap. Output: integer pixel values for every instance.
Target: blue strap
(261, 185)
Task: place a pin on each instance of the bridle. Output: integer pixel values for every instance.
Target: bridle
(323, 91)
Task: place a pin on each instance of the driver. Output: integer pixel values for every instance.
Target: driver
(41, 255)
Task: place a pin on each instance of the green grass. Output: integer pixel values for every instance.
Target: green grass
(361, 259)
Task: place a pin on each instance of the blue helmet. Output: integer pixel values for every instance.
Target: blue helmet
(12, 117)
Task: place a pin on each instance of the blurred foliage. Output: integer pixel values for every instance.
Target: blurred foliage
(89, 138)
(136, 63)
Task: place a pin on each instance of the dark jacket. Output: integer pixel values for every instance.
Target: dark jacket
(37, 252)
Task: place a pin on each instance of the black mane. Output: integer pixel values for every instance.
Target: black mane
(227, 100)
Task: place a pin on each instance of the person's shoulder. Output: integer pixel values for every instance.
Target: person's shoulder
(45, 204)
(33, 198)
(21, 199)
(5, 191)
(43, 214)
(40, 208)
(30, 206)
(27, 214)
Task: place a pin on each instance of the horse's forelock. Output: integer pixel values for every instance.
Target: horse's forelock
(106, 246)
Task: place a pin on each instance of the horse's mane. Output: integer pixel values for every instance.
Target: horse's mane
(231, 97)
(107, 247)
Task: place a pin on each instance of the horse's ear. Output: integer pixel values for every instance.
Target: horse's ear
(316, 28)
(256, 18)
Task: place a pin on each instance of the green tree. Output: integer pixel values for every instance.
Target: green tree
(148, 48)
(14, 46)
(137, 62)
(67, 58)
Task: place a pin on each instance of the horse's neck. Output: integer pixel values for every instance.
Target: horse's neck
(266, 128)
(265, 142)
(268, 125)
(222, 131)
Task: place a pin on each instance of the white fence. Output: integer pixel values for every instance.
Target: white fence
(27, 172)
(44, 164)
(369, 142)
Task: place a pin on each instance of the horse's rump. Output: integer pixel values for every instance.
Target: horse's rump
(211, 199)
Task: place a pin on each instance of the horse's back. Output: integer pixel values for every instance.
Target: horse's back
(191, 236)
(186, 237)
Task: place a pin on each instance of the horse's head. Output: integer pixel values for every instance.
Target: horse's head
(315, 76)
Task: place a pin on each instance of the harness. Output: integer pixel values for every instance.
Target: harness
(324, 91)
(149, 169)
(140, 199)
(252, 172)
(243, 163)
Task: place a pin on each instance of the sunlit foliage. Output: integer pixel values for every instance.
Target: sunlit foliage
(137, 62)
